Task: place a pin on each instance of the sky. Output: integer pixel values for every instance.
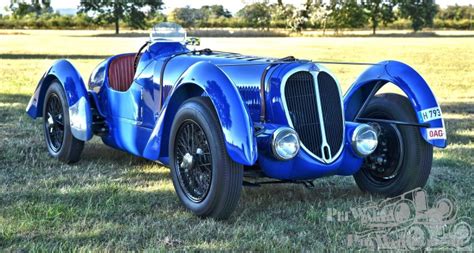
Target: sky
(232, 5)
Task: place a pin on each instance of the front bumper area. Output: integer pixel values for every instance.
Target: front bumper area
(303, 166)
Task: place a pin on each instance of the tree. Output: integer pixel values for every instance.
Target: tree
(131, 11)
(456, 12)
(347, 14)
(298, 20)
(215, 11)
(281, 14)
(256, 15)
(379, 11)
(37, 7)
(307, 5)
(354, 15)
(192, 17)
(319, 15)
(186, 16)
(420, 12)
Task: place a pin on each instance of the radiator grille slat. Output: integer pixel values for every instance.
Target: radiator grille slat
(301, 101)
(332, 111)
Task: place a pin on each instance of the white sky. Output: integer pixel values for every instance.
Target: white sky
(231, 5)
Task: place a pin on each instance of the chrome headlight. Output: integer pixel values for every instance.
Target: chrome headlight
(285, 143)
(364, 140)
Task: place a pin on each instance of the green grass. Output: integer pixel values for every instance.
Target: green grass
(113, 201)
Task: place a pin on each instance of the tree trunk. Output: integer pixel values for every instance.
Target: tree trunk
(116, 17)
(117, 27)
(374, 24)
(324, 27)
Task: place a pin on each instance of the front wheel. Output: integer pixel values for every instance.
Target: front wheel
(402, 160)
(207, 181)
(57, 130)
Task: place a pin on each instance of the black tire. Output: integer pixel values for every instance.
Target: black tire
(60, 142)
(224, 177)
(402, 160)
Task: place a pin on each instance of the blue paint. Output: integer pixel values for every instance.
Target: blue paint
(407, 79)
(140, 118)
(64, 72)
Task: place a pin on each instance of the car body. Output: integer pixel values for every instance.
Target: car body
(253, 97)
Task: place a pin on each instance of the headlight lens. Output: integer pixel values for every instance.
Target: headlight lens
(364, 140)
(285, 143)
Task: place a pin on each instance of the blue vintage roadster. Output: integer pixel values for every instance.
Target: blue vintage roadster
(222, 120)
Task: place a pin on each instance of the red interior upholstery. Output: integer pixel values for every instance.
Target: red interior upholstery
(121, 72)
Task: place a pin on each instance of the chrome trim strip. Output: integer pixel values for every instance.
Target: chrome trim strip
(324, 142)
(314, 69)
(341, 99)
(263, 100)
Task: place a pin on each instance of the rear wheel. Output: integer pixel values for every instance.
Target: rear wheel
(60, 142)
(207, 181)
(402, 160)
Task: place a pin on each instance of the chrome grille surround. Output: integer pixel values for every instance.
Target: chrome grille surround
(314, 70)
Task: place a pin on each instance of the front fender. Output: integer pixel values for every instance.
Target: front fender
(412, 84)
(76, 94)
(233, 115)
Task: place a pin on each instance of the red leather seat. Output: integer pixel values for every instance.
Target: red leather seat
(121, 72)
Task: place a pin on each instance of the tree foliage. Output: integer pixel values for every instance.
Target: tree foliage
(193, 17)
(23, 8)
(256, 15)
(379, 11)
(456, 12)
(186, 16)
(298, 20)
(347, 13)
(319, 14)
(420, 12)
(215, 11)
(133, 12)
(281, 14)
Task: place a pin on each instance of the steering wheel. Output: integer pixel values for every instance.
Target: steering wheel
(137, 56)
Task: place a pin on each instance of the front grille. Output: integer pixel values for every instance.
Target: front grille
(332, 111)
(302, 105)
(301, 101)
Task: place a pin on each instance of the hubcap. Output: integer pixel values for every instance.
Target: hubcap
(187, 162)
(54, 122)
(385, 162)
(193, 161)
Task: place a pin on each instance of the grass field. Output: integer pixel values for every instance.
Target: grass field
(113, 201)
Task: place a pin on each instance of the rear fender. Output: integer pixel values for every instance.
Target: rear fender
(204, 78)
(412, 84)
(76, 94)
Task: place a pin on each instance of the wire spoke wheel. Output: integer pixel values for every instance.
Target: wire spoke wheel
(193, 160)
(54, 122)
(207, 181)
